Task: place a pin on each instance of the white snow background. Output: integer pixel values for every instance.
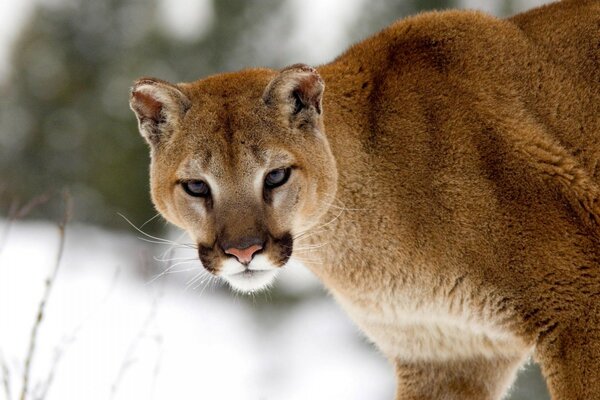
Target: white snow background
(122, 337)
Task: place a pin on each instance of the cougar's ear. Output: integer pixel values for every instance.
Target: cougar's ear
(158, 106)
(297, 92)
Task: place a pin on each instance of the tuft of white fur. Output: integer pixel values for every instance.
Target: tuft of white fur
(410, 330)
(259, 181)
(231, 267)
(259, 274)
(259, 280)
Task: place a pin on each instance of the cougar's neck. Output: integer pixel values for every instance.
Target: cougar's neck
(339, 229)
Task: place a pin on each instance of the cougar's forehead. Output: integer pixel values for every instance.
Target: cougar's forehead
(232, 135)
(226, 121)
(237, 162)
(228, 105)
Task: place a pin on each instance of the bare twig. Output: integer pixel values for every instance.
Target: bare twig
(159, 343)
(42, 391)
(32, 205)
(15, 212)
(12, 211)
(5, 377)
(46, 295)
(129, 357)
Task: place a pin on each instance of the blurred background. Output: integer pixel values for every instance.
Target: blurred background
(113, 325)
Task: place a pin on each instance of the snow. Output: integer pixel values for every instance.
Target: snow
(122, 337)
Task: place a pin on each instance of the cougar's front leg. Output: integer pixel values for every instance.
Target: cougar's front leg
(474, 379)
(569, 352)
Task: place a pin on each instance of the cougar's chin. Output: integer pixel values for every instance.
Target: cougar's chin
(258, 275)
(251, 280)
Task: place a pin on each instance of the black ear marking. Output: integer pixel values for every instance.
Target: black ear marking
(297, 91)
(298, 104)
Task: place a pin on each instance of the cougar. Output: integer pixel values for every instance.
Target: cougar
(441, 178)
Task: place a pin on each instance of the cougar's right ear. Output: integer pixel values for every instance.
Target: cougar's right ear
(158, 106)
(297, 92)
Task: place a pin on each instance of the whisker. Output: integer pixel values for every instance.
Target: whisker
(157, 239)
(343, 206)
(207, 283)
(204, 284)
(174, 259)
(312, 232)
(151, 219)
(166, 271)
(141, 231)
(306, 256)
(306, 253)
(311, 247)
(311, 262)
(188, 285)
(176, 245)
(201, 276)
(172, 248)
(184, 270)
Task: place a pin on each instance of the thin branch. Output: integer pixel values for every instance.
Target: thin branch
(41, 390)
(5, 377)
(129, 357)
(46, 295)
(68, 340)
(160, 344)
(32, 205)
(12, 211)
(15, 213)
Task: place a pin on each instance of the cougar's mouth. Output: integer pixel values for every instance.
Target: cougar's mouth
(251, 280)
(249, 273)
(257, 274)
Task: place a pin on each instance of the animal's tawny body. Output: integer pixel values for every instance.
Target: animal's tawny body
(444, 187)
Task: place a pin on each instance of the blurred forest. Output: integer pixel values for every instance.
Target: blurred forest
(64, 106)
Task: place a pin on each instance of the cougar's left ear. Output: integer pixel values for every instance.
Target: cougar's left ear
(158, 106)
(297, 91)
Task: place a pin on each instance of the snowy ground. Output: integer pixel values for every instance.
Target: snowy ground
(117, 336)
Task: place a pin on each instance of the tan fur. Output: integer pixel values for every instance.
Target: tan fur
(446, 189)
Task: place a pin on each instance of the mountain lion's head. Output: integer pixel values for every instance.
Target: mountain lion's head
(241, 162)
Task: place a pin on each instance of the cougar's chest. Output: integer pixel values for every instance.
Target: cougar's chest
(413, 326)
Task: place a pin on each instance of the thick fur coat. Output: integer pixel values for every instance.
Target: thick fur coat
(443, 181)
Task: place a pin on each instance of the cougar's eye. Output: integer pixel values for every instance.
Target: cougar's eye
(196, 188)
(277, 177)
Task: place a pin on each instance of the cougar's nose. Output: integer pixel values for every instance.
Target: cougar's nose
(244, 255)
(244, 250)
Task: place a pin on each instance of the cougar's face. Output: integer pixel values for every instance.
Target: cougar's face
(243, 204)
(242, 178)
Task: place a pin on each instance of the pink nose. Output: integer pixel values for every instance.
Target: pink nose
(244, 255)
